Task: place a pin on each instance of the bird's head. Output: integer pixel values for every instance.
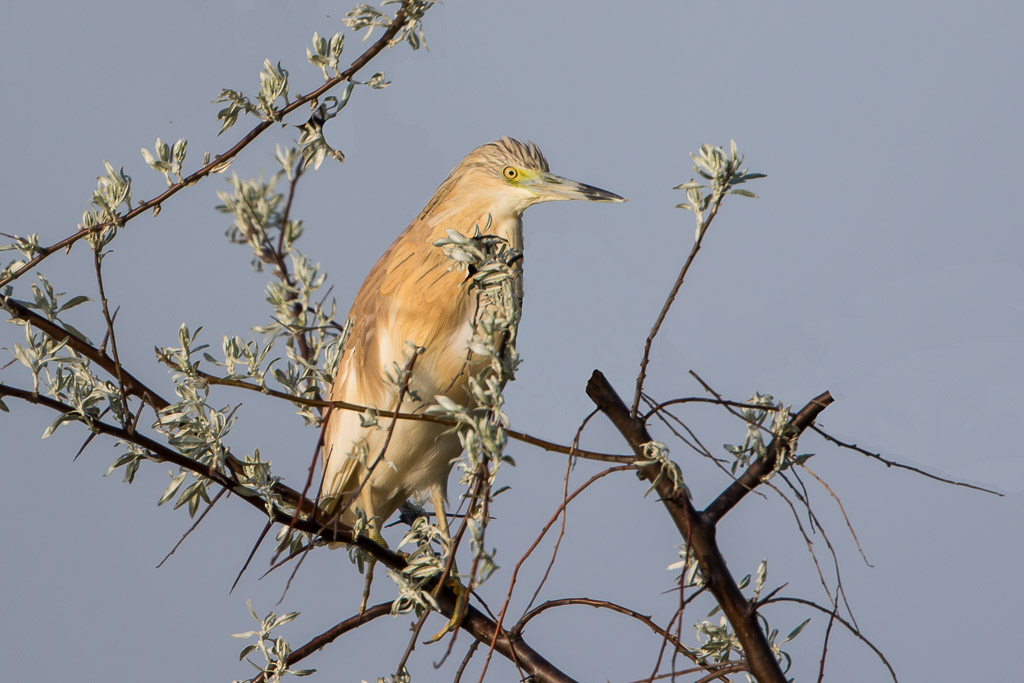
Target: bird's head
(512, 176)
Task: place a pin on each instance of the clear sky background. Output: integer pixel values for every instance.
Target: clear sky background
(882, 262)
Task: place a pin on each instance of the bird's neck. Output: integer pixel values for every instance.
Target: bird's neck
(509, 227)
(503, 222)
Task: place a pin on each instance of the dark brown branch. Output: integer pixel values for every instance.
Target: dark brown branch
(219, 163)
(330, 635)
(319, 526)
(698, 530)
(750, 478)
(131, 384)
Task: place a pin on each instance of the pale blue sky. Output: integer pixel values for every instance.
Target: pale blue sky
(882, 261)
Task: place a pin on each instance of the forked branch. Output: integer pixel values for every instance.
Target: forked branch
(698, 530)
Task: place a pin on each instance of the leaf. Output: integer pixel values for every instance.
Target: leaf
(173, 488)
(61, 419)
(795, 632)
(73, 301)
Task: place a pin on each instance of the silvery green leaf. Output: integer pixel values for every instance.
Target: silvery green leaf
(61, 419)
(172, 488)
(378, 81)
(446, 403)
(248, 648)
(795, 632)
(72, 302)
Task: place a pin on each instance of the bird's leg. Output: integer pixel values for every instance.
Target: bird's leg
(452, 580)
(366, 585)
(372, 521)
(373, 532)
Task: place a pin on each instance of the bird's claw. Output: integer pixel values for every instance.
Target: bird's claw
(461, 598)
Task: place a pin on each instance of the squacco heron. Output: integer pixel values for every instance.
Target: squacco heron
(413, 296)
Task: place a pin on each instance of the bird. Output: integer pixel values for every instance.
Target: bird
(413, 298)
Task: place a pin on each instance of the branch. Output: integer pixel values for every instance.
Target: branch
(749, 480)
(219, 163)
(131, 384)
(318, 525)
(656, 408)
(423, 417)
(699, 530)
(330, 635)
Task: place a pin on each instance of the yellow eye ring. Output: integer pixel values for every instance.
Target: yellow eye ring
(510, 173)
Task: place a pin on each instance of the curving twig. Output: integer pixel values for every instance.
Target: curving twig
(849, 627)
(604, 604)
(219, 163)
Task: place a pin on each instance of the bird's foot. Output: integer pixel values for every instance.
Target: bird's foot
(461, 599)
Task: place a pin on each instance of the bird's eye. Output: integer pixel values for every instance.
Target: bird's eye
(510, 173)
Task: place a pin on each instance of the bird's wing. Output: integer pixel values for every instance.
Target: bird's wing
(409, 295)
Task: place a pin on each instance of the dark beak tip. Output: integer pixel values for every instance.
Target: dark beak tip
(599, 195)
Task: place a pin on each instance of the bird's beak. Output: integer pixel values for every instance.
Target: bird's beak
(550, 187)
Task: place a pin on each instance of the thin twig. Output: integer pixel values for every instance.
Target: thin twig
(517, 630)
(893, 463)
(849, 627)
(824, 646)
(515, 571)
(701, 233)
(565, 510)
(421, 417)
(97, 257)
(842, 510)
(252, 553)
(733, 666)
(193, 527)
(465, 661)
(703, 399)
